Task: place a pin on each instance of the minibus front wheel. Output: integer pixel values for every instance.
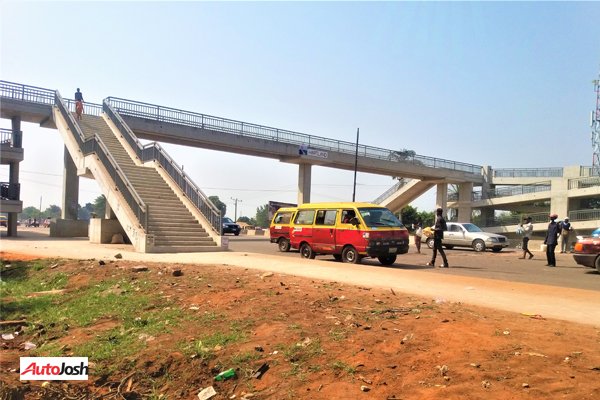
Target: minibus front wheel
(350, 255)
(306, 251)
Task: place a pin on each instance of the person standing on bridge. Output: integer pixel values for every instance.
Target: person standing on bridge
(551, 240)
(438, 234)
(527, 231)
(78, 103)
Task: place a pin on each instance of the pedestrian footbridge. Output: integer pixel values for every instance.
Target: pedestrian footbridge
(160, 209)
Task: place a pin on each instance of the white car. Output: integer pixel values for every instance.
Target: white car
(466, 234)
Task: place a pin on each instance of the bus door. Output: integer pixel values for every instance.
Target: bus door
(324, 231)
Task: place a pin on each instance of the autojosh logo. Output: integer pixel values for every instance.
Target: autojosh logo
(54, 368)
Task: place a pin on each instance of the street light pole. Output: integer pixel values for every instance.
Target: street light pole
(235, 202)
(355, 165)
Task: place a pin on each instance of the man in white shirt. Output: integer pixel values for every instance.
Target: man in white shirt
(527, 231)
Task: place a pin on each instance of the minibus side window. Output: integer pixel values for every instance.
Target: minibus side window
(326, 217)
(305, 217)
(347, 215)
(283, 218)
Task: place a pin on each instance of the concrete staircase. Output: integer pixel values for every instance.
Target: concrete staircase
(406, 194)
(172, 225)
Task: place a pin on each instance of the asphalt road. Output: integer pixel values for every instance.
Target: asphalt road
(504, 265)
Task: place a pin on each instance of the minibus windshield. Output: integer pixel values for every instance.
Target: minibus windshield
(374, 217)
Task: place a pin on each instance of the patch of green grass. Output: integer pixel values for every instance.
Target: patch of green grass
(23, 281)
(111, 345)
(204, 347)
(297, 353)
(340, 366)
(338, 334)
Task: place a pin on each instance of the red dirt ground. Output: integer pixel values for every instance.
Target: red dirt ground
(323, 340)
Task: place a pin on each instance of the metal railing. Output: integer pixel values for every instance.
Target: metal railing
(88, 108)
(13, 139)
(528, 173)
(95, 145)
(585, 171)
(31, 94)
(187, 118)
(584, 215)
(584, 183)
(519, 190)
(10, 191)
(154, 152)
(540, 217)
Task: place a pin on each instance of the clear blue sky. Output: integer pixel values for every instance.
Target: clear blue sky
(500, 84)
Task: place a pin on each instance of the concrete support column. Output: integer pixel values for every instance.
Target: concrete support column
(304, 177)
(108, 212)
(559, 200)
(441, 196)
(11, 229)
(70, 199)
(465, 210)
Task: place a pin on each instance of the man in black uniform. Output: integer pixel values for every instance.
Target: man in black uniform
(438, 234)
(551, 240)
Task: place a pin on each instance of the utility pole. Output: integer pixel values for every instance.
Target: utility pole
(595, 124)
(235, 202)
(355, 165)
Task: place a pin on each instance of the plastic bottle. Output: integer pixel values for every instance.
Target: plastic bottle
(230, 373)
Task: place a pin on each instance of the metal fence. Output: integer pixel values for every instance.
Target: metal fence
(13, 139)
(187, 118)
(584, 215)
(31, 94)
(528, 173)
(584, 183)
(154, 152)
(10, 191)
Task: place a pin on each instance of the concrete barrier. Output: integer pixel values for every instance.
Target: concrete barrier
(69, 228)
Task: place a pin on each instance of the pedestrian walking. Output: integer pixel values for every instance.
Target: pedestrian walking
(551, 240)
(78, 103)
(527, 228)
(418, 234)
(565, 232)
(438, 234)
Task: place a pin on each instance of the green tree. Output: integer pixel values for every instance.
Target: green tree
(248, 220)
(428, 218)
(409, 215)
(219, 204)
(29, 212)
(262, 216)
(85, 212)
(53, 211)
(100, 206)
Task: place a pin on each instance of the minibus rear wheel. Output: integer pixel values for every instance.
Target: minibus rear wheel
(387, 260)
(350, 255)
(306, 251)
(284, 245)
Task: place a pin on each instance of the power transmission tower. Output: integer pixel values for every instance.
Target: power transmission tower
(595, 122)
(235, 202)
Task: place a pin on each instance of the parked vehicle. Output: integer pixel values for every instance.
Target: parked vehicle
(587, 252)
(348, 231)
(280, 227)
(3, 220)
(229, 226)
(466, 234)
